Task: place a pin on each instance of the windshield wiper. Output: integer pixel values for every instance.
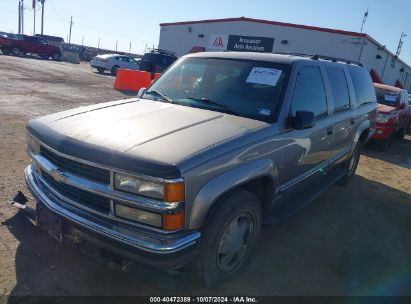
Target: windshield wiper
(162, 95)
(222, 106)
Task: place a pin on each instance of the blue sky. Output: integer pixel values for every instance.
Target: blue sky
(138, 21)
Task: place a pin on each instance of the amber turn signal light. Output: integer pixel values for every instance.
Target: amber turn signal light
(173, 221)
(174, 192)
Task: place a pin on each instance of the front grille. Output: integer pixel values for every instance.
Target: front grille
(71, 166)
(93, 201)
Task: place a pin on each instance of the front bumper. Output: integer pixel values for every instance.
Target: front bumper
(162, 251)
(383, 131)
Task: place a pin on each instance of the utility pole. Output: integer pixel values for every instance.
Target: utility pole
(19, 17)
(34, 11)
(22, 16)
(71, 25)
(82, 41)
(400, 44)
(98, 47)
(116, 44)
(129, 49)
(365, 36)
(42, 16)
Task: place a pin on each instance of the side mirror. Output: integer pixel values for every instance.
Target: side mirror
(141, 92)
(402, 106)
(303, 120)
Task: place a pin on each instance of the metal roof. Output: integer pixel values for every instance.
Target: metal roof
(300, 26)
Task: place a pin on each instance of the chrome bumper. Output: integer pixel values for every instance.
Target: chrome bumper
(131, 236)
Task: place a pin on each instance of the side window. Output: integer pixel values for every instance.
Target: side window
(339, 88)
(309, 92)
(363, 86)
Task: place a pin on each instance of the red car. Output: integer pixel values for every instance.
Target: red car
(23, 44)
(392, 115)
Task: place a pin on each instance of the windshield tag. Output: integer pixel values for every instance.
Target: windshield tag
(264, 76)
(265, 112)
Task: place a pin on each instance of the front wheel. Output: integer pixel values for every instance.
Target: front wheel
(5, 51)
(229, 237)
(44, 56)
(382, 144)
(56, 56)
(100, 70)
(350, 165)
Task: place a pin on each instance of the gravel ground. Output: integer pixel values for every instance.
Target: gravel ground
(353, 240)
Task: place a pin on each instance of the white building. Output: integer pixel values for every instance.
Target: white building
(277, 37)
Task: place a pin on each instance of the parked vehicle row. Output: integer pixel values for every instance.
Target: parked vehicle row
(22, 44)
(188, 172)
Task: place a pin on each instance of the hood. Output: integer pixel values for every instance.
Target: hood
(381, 108)
(139, 128)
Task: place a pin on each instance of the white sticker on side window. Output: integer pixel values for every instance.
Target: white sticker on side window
(264, 76)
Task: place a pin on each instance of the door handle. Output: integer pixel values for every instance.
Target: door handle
(330, 130)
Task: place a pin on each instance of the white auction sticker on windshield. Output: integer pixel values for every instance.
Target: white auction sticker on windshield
(264, 76)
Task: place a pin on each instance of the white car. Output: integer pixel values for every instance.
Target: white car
(113, 62)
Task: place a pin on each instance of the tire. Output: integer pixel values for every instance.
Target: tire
(15, 51)
(350, 165)
(100, 70)
(114, 70)
(228, 238)
(56, 56)
(382, 144)
(5, 51)
(44, 56)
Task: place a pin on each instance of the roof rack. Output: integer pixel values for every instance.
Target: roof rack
(334, 59)
(323, 57)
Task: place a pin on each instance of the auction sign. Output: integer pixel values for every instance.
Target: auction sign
(250, 44)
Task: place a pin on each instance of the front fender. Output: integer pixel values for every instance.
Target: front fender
(221, 184)
(365, 125)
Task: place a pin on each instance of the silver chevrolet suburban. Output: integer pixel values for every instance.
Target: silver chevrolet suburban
(188, 172)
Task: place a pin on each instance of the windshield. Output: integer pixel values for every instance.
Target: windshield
(246, 88)
(387, 97)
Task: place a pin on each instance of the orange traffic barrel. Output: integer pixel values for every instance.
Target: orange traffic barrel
(130, 80)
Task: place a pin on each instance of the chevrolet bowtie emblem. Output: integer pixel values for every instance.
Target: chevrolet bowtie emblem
(57, 176)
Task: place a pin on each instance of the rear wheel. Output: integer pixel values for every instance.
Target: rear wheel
(114, 70)
(56, 56)
(229, 237)
(15, 51)
(44, 56)
(100, 70)
(350, 165)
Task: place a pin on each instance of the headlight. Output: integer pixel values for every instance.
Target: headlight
(382, 118)
(32, 143)
(168, 192)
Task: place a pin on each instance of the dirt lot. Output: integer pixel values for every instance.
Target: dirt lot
(353, 240)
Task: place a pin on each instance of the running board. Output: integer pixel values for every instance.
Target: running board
(288, 208)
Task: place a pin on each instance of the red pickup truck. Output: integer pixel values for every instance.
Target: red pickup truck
(23, 44)
(392, 115)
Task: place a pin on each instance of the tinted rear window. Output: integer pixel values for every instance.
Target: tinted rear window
(363, 86)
